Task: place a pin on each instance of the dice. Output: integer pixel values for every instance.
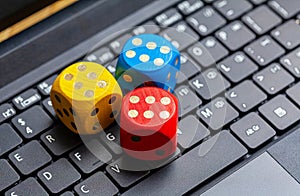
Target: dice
(86, 97)
(148, 60)
(148, 123)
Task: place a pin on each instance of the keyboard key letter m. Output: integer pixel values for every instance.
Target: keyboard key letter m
(207, 113)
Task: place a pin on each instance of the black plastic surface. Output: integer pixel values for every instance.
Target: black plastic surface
(11, 55)
(60, 33)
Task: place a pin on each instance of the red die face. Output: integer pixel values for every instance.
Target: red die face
(149, 118)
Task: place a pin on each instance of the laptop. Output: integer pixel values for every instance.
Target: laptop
(239, 95)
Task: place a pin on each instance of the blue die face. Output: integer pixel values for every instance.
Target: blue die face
(148, 60)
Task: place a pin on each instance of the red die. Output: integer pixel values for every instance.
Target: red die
(149, 118)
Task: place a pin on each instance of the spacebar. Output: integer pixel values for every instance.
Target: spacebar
(193, 168)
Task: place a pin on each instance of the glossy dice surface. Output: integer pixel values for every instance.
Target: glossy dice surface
(148, 123)
(148, 60)
(86, 97)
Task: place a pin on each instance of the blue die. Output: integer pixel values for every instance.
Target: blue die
(148, 60)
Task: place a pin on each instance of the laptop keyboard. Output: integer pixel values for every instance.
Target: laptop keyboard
(240, 78)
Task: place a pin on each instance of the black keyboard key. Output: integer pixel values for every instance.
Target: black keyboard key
(257, 2)
(8, 175)
(101, 56)
(190, 131)
(127, 163)
(188, 68)
(287, 34)
(180, 35)
(30, 157)
(217, 113)
(235, 35)
(292, 62)
(8, 138)
(237, 67)
(261, 19)
(6, 112)
(86, 161)
(45, 86)
(264, 50)
(111, 138)
(59, 175)
(280, 112)
(60, 140)
(147, 28)
(123, 177)
(47, 103)
(239, 96)
(253, 130)
(231, 9)
(286, 153)
(214, 48)
(32, 122)
(209, 84)
(26, 99)
(201, 55)
(97, 184)
(189, 6)
(199, 164)
(206, 21)
(187, 100)
(285, 8)
(155, 164)
(209, 1)
(294, 94)
(30, 186)
(117, 45)
(168, 18)
(273, 78)
(111, 66)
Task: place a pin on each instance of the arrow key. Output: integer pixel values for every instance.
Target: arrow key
(242, 100)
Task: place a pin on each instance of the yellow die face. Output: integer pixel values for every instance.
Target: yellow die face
(90, 95)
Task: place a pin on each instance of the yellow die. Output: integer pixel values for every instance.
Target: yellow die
(86, 97)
